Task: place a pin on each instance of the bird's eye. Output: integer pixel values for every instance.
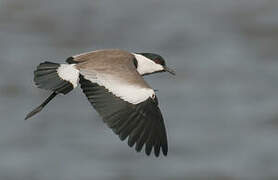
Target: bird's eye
(157, 61)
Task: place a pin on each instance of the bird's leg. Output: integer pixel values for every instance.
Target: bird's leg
(40, 107)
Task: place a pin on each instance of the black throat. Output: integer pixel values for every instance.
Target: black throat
(135, 62)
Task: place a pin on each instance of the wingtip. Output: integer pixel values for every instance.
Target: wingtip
(165, 150)
(156, 151)
(148, 150)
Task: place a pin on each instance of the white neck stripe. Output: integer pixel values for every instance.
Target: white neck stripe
(146, 65)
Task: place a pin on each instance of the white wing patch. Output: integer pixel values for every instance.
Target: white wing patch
(128, 92)
(146, 65)
(68, 72)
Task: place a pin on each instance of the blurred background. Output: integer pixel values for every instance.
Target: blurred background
(220, 110)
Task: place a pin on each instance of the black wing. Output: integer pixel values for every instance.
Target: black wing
(142, 123)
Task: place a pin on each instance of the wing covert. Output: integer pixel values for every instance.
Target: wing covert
(142, 123)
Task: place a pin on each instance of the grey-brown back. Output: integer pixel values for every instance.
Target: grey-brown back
(116, 62)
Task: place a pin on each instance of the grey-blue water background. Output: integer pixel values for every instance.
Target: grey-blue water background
(221, 110)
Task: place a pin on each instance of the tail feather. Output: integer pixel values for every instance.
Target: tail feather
(60, 78)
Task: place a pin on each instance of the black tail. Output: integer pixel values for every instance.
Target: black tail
(46, 77)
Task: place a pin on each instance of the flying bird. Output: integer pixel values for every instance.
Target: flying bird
(113, 83)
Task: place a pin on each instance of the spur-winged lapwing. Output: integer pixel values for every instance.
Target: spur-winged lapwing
(112, 81)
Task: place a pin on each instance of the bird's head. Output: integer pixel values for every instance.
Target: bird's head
(149, 63)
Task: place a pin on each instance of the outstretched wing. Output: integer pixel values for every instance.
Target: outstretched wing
(140, 121)
(124, 100)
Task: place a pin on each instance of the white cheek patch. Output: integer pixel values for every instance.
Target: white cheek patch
(146, 65)
(69, 73)
(128, 92)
